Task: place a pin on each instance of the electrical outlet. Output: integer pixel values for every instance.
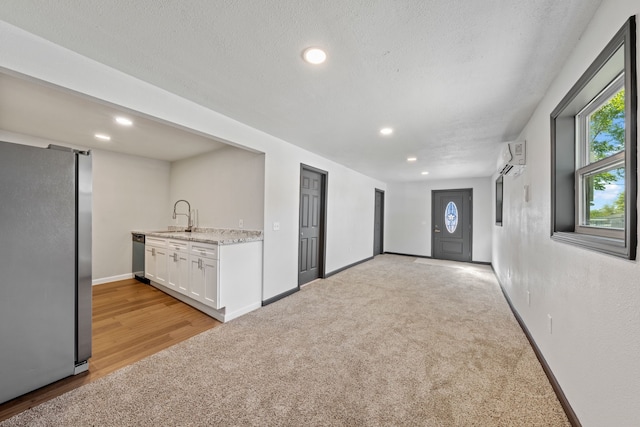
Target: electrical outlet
(276, 226)
(241, 223)
(529, 298)
(550, 324)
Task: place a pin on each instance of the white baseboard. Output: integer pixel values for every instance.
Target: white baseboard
(112, 279)
(220, 315)
(241, 311)
(210, 311)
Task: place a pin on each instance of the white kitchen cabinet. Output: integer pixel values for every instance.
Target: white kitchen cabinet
(178, 266)
(222, 280)
(211, 291)
(155, 260)
(240, 278)
(203, 267)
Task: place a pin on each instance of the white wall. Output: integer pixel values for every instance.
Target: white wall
(594, 299)
(350, 206)
(129, 193)
(224, 185)
(25, 53)
(350, 222)
(408, 222)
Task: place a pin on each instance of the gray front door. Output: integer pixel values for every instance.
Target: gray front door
(311, 225)
(451, 218)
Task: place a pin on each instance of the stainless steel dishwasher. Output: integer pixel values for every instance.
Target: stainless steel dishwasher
(137, 263)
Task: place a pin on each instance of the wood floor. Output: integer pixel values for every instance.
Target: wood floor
(131, 321)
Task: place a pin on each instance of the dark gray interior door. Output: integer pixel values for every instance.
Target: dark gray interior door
(451, 218)
(311, 226)
(378, 223)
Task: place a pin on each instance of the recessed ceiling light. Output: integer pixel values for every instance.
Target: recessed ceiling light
(425, 173)
(386, 131)
(314, 55)
(123, 121)
(411, 159)
(102, 137)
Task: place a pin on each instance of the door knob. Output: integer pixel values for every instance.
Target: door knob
(436, 231)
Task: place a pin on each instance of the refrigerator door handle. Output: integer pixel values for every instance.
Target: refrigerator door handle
(84, 292)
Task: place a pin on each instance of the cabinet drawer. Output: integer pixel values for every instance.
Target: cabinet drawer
(178, 246)
(155, 241)
(204, 250)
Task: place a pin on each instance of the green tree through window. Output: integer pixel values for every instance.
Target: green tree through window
(606, 137)
(602, 170)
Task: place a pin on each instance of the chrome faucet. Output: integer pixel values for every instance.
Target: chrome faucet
(188, 214)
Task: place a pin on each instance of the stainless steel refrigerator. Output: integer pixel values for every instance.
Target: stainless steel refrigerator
(45, 266)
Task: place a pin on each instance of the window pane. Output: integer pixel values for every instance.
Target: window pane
(603, 196)
(606, 128)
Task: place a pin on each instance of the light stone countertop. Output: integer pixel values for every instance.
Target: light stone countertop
(216, 236)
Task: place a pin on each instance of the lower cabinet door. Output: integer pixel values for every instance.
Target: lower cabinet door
(161, 266)
(203, 286)
(149, 263)
(178, 272)
(211, 291)
(183, 283)
(196, 282)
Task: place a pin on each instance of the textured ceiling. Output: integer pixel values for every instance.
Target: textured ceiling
(453, 78)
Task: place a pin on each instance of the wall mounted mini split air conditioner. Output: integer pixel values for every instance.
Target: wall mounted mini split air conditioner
(512, 159)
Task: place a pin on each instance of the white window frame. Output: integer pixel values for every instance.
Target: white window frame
(584, 166)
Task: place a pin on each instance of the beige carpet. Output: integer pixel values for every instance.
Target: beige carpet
(446, 263)
(390, 342)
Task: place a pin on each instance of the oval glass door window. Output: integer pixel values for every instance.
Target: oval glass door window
(451, 217)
